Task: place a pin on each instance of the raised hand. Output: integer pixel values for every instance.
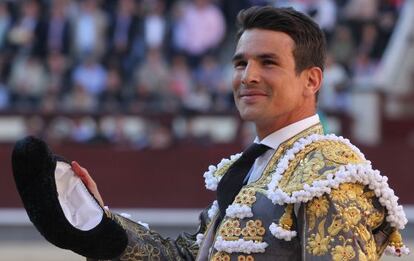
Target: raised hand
(83, 174)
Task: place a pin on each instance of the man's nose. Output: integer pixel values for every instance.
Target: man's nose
(250, 74)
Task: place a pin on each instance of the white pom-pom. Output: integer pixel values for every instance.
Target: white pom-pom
(238, 211)
(200, 238)
(213, 210)
(281, 233)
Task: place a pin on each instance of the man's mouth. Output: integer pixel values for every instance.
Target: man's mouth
(254, 93)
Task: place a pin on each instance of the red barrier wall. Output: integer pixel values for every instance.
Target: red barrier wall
(172, 178)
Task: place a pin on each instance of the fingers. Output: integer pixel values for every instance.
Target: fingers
(83, 174)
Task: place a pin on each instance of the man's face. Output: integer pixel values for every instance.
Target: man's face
(267, 90)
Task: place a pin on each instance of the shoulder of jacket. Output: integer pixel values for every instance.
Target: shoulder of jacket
(316, 164)
(313, 158)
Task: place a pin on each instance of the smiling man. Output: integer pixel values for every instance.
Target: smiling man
(268, 88)
(294, 194)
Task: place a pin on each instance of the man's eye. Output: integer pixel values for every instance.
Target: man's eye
(240, 64)
(269, 62)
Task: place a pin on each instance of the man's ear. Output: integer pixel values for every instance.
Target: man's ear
(313, 77)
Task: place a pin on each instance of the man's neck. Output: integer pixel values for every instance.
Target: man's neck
(263, 130)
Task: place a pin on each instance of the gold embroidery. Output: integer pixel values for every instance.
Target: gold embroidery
(362, 256)
(347, 192)
(339, 195)
(371, 249)
(363, 232)
(221, 256)
(245, 258)
(306, 172)
(315, 162)
(375, 219)
(286, 221)
(343, 253)
(141, 251)
(355, 215)
(318, 207)
(221, 171)
(340, 153)
(138, 230)
(302, 170)
(246, 197)
(318, 244)
(253, 230)
(351, 215)
(270, 168)
(336, 226)
(231, 230)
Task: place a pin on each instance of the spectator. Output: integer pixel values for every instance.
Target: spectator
(180, 80)
(57, 69)
(386, 22)
(28, 33)
(5, 24)
(210, 76)
(123, 30)
(199, 100)
(27, 82)
(90, 26)
(230, 10)
(151, 81)
(368, 44)
(342, 46)
(363, 71)
(159, 137)
(79, 100)
(326, 13)
(59, 130)
(155, 25)
(50, 102)
(55, 49)
(83, 130)
(359, 12)
(58, 29)
(90, 75)
(224, 101)
(111, 98)
(199, 28)
(35, 126)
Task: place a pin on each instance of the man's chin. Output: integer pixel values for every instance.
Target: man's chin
(249, 116)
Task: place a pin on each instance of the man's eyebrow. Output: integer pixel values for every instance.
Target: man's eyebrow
(267, 56)
(237, 56)
(240, 56)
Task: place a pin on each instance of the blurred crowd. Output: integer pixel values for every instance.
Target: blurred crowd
(139, 56)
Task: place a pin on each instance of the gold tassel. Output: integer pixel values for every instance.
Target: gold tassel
(286, 221)
(396, 242)
(396, 239)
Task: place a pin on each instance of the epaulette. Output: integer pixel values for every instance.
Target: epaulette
(318, 163)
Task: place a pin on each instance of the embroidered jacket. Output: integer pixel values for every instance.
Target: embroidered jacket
(317, 199)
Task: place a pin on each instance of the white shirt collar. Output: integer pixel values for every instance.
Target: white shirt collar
(276, 138)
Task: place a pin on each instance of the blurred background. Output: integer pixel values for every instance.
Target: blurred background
(138, 91)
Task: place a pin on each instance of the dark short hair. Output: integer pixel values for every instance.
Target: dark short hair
(310, 45)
